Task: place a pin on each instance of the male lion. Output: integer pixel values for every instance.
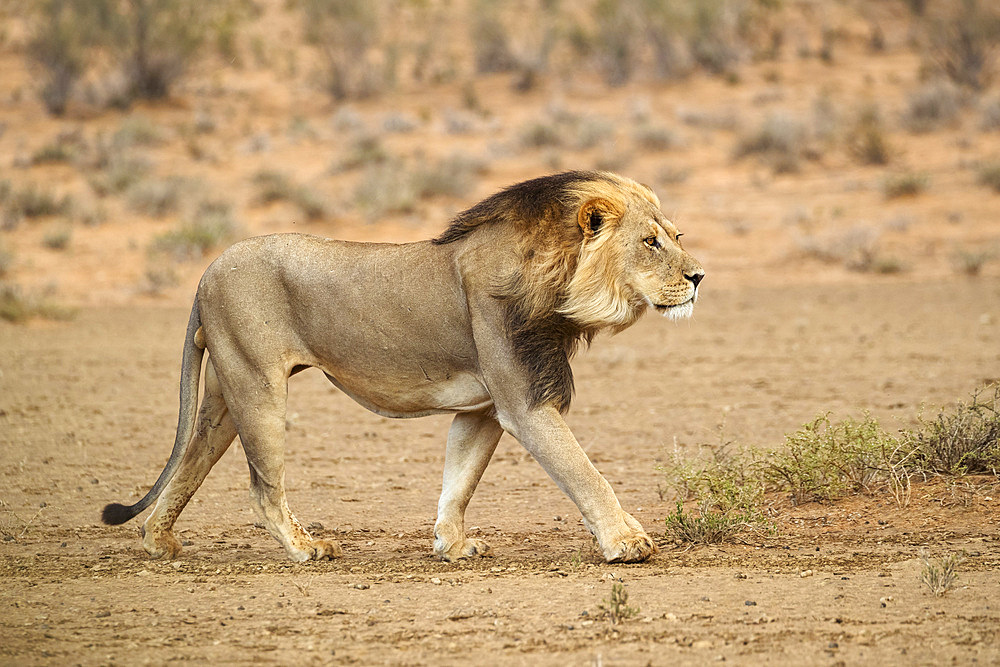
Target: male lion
(480, 322)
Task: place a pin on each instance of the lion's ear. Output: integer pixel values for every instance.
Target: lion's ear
(593, 215)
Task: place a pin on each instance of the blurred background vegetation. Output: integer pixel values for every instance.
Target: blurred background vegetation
(157, 131)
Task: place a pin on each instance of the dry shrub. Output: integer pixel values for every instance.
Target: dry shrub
(963, 39)
(933, 105)
(965, 440)
(779, 140)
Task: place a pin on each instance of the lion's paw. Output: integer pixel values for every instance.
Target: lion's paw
(160, 545)
(468, 548)
(634, 548)
(317, 550)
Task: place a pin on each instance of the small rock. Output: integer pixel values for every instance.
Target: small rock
(330, 612)
(806, 573)
(436, 581)
(102, 614)
(361, 587)
(739, 575)
(314, 526)
(750, 603)
(459, 614)
(833, 645)
(885, 601)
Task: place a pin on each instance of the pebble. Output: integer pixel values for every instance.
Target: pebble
(436, 581)
(806, 573)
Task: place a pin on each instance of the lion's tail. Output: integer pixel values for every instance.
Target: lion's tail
(115, 513)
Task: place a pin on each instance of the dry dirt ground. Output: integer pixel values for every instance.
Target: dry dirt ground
(86, 416)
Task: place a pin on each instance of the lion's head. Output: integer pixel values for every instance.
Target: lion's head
(591, 250)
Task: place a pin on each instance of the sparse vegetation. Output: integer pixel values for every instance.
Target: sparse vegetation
(616, 608)
(971, 262)
(654, 138)
(867, 140)
(346, 34)
(963, 40)
(964, 440)
(933, 105)
(907, 184)
(540, 134)
(58, 237)
(156, 198)
(147, 45)
(211, 227)
(940, 574)
(6, 260)
(727, 490)
(990, 114)
(825, 460)
(989, 175)
(779, 140)
(17, 306)
(62, 32)
(33, 201)
(117, 172)
(277, 186)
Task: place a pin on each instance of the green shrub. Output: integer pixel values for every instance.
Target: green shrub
(616, 608)
(825, 460)
(940, 574)
(728, 491)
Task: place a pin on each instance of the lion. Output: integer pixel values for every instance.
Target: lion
(480, 322)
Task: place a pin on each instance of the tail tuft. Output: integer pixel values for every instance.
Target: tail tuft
(115, 514)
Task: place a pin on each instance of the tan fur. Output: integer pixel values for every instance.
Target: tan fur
(480, 322)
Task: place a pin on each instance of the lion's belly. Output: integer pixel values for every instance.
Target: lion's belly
(415, 396)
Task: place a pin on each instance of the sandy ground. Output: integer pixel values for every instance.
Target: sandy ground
(87, 410)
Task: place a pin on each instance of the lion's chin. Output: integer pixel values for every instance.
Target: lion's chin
(677, 312)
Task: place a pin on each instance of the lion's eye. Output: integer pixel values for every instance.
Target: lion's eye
(651, 242)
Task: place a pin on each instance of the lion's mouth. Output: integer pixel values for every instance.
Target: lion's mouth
(676, 311)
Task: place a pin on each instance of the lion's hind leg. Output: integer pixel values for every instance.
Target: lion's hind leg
(259, 406)
(472, 440)
(214, 432)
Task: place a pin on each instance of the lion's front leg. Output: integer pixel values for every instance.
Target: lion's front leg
(544, 433)
(472, 440)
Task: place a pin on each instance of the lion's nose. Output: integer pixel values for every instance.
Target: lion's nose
(695, 278)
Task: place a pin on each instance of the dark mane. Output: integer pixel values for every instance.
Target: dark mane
(528, 201)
